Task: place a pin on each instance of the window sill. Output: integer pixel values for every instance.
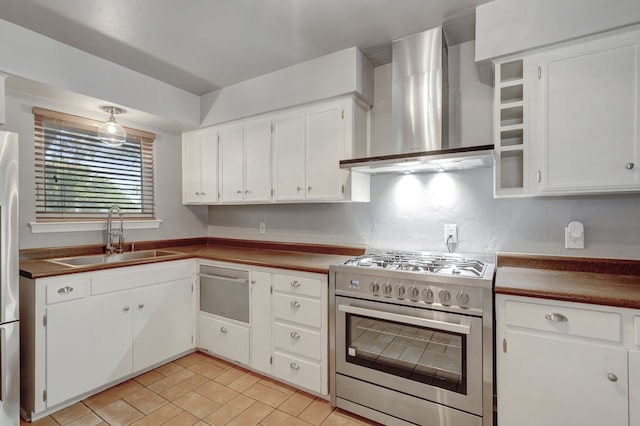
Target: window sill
(50, 227)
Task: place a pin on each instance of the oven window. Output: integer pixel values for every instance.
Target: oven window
(434, 357)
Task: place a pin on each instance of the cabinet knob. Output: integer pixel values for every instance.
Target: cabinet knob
(126, 309)
(555, 317)
(308, 188)
(203, 193)
(294, 335)
(295, 284)
(295, 304)
(65, 290)
(223, 330)
(239, 191)
(294, 366)
(141, 305)
(298, 188)
(253, 281)
(197, 193)
(612, 377)
(629, 166)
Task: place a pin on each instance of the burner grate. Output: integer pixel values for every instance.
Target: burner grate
(421, 262)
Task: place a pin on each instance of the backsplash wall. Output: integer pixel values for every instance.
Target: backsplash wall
(408, 212)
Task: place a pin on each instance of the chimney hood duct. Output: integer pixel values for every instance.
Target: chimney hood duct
(419, 110)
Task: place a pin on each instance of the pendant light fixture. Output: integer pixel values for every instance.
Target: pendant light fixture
(110, 132)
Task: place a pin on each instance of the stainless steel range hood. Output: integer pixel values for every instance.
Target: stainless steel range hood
(419, 112)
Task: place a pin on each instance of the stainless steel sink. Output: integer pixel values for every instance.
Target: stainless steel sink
(99, 259)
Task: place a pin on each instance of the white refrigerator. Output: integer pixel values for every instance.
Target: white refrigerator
(9, 272)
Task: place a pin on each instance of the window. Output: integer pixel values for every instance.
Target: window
(79, 178)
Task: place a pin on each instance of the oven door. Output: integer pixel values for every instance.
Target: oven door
(428, 354)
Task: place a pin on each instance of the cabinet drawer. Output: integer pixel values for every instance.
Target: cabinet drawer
(298, 372)
(297, 309)
(301, 342)
(565, 320)
(297, 285)
(66, 290)
(224, 338)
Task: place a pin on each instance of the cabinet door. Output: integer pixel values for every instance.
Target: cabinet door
(289, 158)
(190, 169)
(590, 116)
(88, 344)
(209, 167)
(162, 322)
(634, 386)
(231, 165)
(257, 165)
(324, 134)
(558, 382)
(260, 321)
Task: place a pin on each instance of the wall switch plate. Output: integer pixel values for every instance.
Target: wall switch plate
(263, 228)
(574, 235)
(451, 234)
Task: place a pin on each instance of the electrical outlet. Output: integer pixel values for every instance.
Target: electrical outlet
(263, 228)
(451, 234)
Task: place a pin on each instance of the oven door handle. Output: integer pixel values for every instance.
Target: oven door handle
(407, 319)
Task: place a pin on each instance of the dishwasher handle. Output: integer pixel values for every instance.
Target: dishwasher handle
(223, 278)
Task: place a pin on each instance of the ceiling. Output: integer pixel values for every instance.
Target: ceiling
(203, 45)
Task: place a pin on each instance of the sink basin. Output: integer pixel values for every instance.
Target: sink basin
(99, 259)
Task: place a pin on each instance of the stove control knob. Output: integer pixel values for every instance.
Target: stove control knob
(374, 287)
(387, 289)
(462, 298)
(413, 293)
(400, 291)
(444, 296)
(427, 295)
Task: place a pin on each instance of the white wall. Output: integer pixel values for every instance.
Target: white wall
(178, 221)
(408, 212)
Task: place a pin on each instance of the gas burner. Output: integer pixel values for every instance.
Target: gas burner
(421, 262)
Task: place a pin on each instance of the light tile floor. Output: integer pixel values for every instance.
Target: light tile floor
(201, 390)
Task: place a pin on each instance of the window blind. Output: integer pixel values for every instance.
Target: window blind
(78, 177)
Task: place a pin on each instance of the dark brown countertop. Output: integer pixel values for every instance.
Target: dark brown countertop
(297, 257)
(611, 282)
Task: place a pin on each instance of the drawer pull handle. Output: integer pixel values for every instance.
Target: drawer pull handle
(556, 317)
(294, 366)
(294, 335)
(65, 290)
(223, 330)
(612, 377)
(629, 166)
(295, 304)
(141, 305)
(295, 284)
(126, 309)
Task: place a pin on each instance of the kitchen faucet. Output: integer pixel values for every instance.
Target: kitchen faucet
(110, 248)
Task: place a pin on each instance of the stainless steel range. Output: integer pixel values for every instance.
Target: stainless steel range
(412, 338)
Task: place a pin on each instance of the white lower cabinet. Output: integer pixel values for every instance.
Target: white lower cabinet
(562, 363)
(229, 339)
(84, 331)
(287, 335)
(88, 344)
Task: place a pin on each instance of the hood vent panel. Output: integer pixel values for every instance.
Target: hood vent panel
(419, 114)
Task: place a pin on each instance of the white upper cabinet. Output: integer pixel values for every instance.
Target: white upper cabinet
(309, 143)
(568, 121)
(257, 161)
(588, 117)
(289, 157)
(200, 167)
(286, 156)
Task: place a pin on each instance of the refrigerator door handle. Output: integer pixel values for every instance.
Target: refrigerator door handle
(3, 363)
